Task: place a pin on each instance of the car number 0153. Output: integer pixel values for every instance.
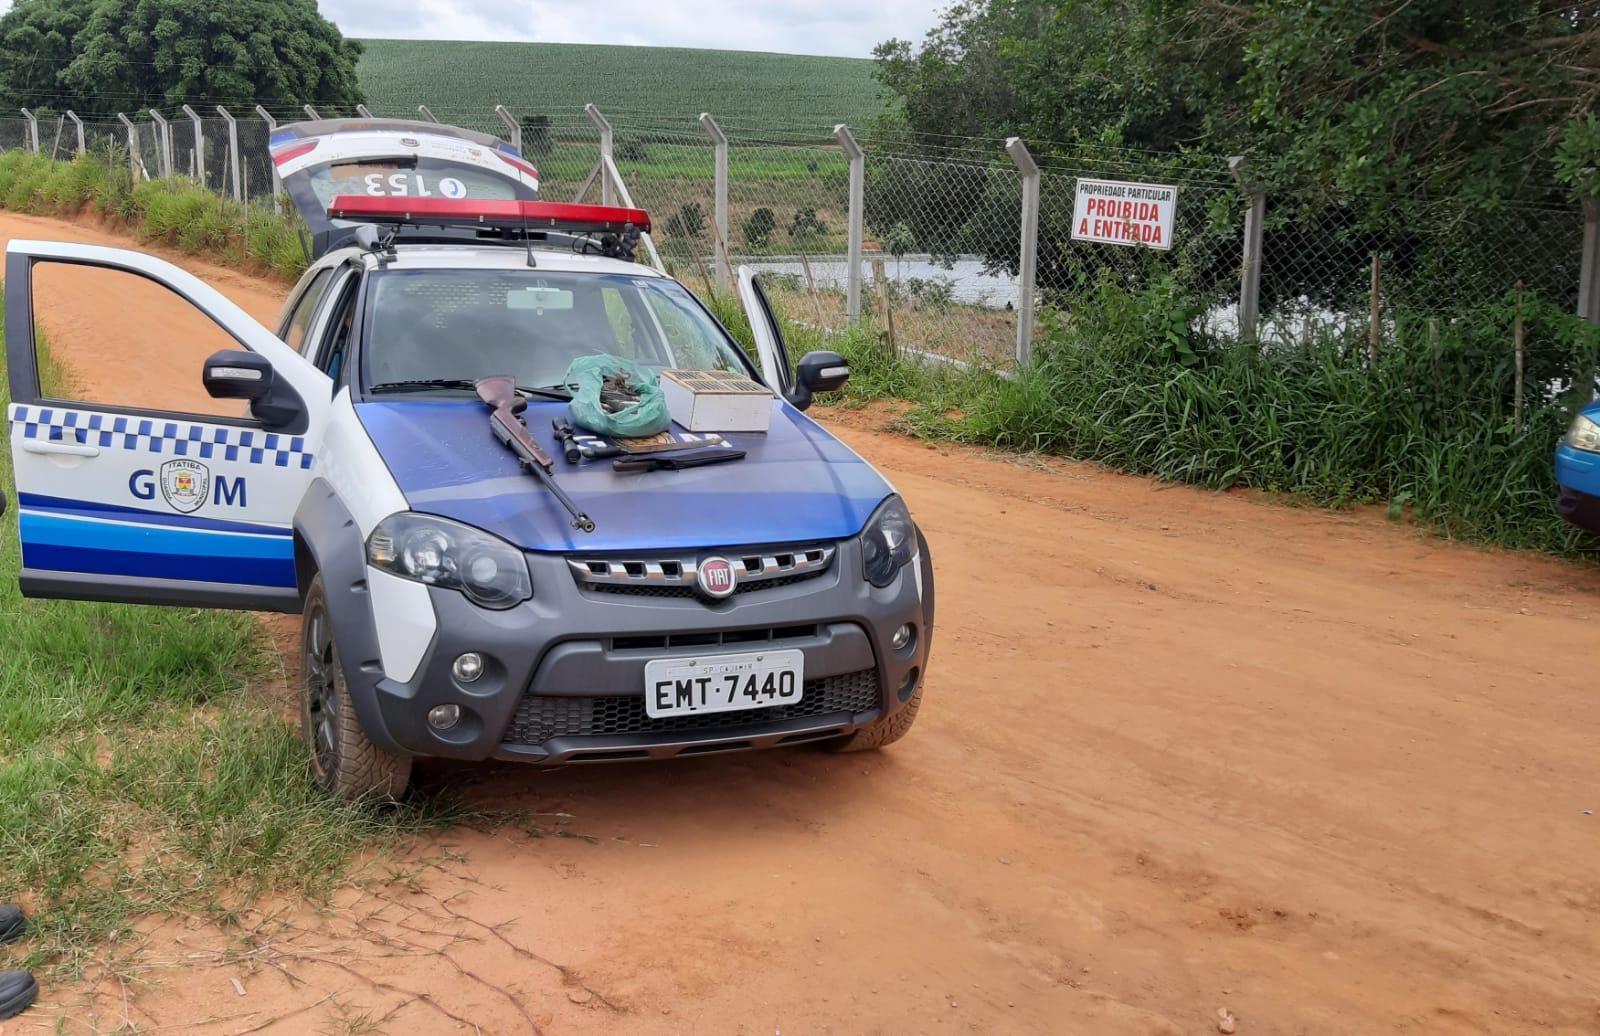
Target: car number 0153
(723, 683)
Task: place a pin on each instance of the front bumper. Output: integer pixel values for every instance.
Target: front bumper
(1578, 475)
(564, 674)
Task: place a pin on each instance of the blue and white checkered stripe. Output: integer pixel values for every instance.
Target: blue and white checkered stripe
(160, 437)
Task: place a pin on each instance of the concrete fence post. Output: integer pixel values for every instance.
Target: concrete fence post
(363, 111)
(311, 113)
(607, 141)
(513, 128)
(1250, 266)
(133, 146)
(277, 185)
(1028, 258)
(719, 214)
(1589, 275)
(77, 124)
(33, 130)
(856, 230)
(199, 166)
(233, 154)
(422, 110)
(163, 141)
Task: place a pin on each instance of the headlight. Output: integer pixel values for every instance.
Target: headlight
(1584, 434)
(888, 543)
(491, 572)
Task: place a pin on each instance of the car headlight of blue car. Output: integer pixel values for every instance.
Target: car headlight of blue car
(1584, 434)
(888, 543)
(420, 547)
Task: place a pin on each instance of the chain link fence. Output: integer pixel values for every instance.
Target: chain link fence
(943, 269)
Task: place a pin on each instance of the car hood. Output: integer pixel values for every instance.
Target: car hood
(796, 484)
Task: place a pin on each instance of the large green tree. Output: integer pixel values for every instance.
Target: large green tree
(126, 55)
(1377, 125)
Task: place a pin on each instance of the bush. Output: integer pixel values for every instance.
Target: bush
(759, 226)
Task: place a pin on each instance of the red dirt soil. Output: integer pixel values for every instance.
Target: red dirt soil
(1180, 752)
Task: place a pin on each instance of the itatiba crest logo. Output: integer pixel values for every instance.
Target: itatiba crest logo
(184, 484)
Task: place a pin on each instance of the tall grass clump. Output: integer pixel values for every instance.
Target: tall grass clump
(1122, 377)
(175, 212)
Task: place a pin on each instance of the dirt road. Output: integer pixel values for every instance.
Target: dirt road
(1180, 752)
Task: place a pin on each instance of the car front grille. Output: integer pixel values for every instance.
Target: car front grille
(675, 576)
(540, 718)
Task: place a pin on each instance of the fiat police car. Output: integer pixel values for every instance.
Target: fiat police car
(451, 606)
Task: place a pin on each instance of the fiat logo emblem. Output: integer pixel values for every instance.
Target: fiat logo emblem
(717, 577)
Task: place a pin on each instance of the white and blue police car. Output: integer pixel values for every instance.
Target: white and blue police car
(450, 607)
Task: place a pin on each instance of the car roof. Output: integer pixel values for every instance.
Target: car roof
(493, 257)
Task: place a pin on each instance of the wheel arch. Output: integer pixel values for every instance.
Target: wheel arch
(329, 543)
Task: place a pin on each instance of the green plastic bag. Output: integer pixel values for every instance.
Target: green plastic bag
(647, 417)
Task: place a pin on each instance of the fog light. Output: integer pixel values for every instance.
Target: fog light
(901, 637)
(443, 717)
(468, 667)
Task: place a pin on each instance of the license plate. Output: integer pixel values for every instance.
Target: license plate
(723, 683)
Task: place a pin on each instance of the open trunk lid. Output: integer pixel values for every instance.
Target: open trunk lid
(320, 160)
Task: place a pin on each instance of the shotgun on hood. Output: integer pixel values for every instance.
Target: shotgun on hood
(500, 394)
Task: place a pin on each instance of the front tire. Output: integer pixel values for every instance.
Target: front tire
(885, 732)
(344, 761)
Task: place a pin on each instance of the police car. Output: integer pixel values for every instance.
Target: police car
(450, 605)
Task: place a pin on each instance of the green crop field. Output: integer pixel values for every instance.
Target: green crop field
(791, 97)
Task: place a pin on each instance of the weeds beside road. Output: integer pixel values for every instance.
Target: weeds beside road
(147, 765)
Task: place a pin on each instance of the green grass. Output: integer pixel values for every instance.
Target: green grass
(147, 766)
(1429, 433)
(176, 212)
(787, 96)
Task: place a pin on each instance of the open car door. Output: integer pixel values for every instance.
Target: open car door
(771, 354)
(391, 158)
(158, 504)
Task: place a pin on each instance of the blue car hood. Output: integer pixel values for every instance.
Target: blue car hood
(797, 483)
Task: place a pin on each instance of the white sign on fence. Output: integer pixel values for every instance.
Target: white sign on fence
(1116, 213)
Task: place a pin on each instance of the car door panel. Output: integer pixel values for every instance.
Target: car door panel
(153, 507)
(771, 355)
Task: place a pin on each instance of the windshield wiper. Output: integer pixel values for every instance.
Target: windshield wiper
(424, 383)
(466, 384)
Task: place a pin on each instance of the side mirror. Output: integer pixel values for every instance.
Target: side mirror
(818, 371)
(239, 374)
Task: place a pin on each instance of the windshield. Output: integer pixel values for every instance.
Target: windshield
(439, 326)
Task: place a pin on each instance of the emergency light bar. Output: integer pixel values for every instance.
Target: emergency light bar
(500, 214)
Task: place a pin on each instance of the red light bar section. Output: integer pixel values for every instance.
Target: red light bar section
(500, 213)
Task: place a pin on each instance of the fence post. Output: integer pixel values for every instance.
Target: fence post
(363, 111)
(199, 145)
(422, 110)
(1028, 261)
(1589, 277)
(163, 141)
(33, 130)
(133, 147)
(719, 217)
(78, 125)
(277, 185)
(513, 128)
(857, 223)
(606, 142)
(1250, 267)
(233, 153)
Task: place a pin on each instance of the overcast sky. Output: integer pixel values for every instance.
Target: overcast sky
(848, 28)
